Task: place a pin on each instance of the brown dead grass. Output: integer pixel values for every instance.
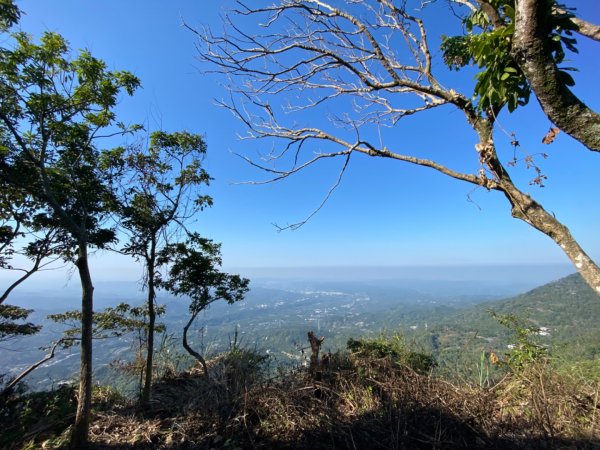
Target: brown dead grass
(357, 403)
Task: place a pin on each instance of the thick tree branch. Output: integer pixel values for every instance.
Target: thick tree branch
(585, 28)
(531, 52)
(527, 209)
(491, 12)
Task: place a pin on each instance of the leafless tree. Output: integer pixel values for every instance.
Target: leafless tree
(374, 57)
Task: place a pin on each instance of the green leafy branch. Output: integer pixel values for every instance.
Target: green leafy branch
(488, 45)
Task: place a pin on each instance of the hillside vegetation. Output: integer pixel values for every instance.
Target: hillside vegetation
(565, 312)
(377, 393)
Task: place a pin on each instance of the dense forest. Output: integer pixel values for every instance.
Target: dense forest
(381, 367)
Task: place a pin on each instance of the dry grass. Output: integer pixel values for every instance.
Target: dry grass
(357, 403)
(350, 402)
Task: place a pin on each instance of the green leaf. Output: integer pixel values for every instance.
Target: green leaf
(566, 78)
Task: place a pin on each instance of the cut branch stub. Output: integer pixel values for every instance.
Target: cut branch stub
(315, 348)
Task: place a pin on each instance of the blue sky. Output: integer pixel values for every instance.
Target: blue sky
(384, 213)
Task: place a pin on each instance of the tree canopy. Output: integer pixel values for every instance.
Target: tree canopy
(54, 108)
(157, 192)
(194, 272)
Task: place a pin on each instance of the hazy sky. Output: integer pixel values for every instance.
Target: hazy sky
(384, 213)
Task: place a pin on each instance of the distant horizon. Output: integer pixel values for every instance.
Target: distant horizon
(434, 272)
(517, 275)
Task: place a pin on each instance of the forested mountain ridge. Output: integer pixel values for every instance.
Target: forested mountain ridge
(562, 304)
(566, 312)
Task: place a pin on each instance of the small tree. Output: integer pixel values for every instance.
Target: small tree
(52, 112)
(139, 345)
(374, 58)
(156, 192)
(194, 272)
(114, 322)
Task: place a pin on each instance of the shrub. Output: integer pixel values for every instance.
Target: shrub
(395, 349)
(34, 415)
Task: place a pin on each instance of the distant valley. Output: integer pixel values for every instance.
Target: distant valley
(276, 316)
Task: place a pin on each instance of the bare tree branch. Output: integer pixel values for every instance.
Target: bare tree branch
(466, 3)
(30, 369)
(585, 28)
(371, 60)
(297, 225)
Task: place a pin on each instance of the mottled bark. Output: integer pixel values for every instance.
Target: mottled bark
(530, 50)
(531, 212)
(585, 28)
(79, 437)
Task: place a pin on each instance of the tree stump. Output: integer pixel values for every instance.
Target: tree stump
(315, 347)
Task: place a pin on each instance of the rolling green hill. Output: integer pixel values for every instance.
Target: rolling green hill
(566, 311)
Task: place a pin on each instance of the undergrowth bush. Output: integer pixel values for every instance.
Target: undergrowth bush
(393, 347)
(551, 402)
(380, 394)
(28, 415)
(524, 351)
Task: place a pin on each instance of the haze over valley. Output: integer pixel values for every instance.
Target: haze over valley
(278, 312)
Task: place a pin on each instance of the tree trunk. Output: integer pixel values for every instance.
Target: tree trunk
(531, 212)
(79, 437)
(530, 50)
(145, 400)
(189, 349)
